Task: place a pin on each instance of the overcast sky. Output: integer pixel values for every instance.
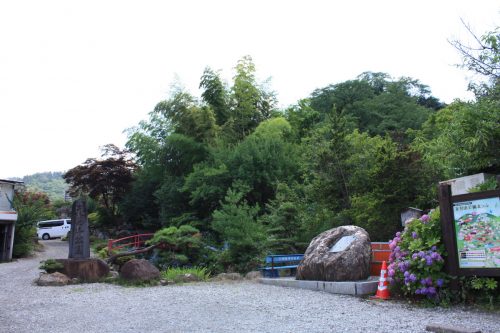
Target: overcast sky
(75, 74)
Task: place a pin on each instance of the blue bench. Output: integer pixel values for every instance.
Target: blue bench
(276, 262)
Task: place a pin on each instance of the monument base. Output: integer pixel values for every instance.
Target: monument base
(86, 270)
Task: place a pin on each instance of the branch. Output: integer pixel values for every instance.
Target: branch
(112, 259)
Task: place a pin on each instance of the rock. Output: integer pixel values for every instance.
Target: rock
(254, 275)
(139, 270)
(86, 270)
(164, 282)
(186, 278)
(53, 279)
(350, 264)
(228, 276)
(114, 274)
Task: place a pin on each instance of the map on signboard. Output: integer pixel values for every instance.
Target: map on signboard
(342, 244)
(477, 226)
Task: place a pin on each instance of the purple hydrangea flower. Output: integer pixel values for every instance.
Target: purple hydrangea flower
(425, 218)
(429, 281)
(414, 235)
(428, 261)
(412, 278)
(414, 256)
(440, 282)
(431, 291)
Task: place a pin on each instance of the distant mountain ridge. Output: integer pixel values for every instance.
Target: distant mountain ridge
(50, 183)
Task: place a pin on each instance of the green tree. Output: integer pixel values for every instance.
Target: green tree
(462, 138)
(215, 94)
(250, 103)
(30, 207)
(239, 227)
(105, 180)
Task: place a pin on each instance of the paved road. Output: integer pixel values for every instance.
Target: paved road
(203, 307)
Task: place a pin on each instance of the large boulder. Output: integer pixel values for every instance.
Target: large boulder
(53, 279)
(139, 270)
(350, 262)
(86, 270)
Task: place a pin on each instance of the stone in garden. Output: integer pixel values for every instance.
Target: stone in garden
(53, 279)
(254, 275)
(339, 254)
(186, 278)
(86, 270)
(228, 276)
(139, 270)
(79, 242)
(114, 274)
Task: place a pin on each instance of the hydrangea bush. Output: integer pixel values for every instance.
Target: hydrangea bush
(416, 261)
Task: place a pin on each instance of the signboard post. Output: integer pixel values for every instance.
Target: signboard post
(471, 232)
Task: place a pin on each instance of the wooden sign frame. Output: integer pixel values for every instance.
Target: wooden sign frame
(446, 201)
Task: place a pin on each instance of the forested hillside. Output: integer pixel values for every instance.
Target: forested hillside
(50, 183)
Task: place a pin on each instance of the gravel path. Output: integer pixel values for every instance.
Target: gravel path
(203, 307)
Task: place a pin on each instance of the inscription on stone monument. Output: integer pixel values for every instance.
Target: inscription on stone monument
(79, 243)
(342, 244)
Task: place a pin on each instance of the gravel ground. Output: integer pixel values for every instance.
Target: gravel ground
(203, 307)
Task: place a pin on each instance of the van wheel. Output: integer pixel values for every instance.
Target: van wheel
(45, 236)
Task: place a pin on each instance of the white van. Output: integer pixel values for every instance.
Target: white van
(53, 228)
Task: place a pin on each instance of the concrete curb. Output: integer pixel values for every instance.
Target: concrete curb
(357, 288)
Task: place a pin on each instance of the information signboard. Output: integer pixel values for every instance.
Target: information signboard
(477, 228)
(471, 232)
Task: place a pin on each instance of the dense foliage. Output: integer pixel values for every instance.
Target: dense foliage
(104, 180)
(252, 178)
(31, 207)
(416, 261)
(255, 179)
(50, 183)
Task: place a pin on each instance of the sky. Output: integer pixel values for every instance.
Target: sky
(75, 74)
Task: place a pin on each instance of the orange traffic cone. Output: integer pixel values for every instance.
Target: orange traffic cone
(382, 291)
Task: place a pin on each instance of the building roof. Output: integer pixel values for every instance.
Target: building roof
(11, 181)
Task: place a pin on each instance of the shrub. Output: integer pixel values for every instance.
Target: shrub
(180, 246)
(51, 266)
(416, 262)
(481, 289)
(174, 273)
(24, 236)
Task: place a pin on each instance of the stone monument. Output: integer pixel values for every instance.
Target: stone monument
(339, 254)
(79, 242)
(79, 265)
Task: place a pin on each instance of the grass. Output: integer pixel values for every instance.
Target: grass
(131, 283)
(173, 273)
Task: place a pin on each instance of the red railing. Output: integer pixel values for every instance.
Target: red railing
(134, 241)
